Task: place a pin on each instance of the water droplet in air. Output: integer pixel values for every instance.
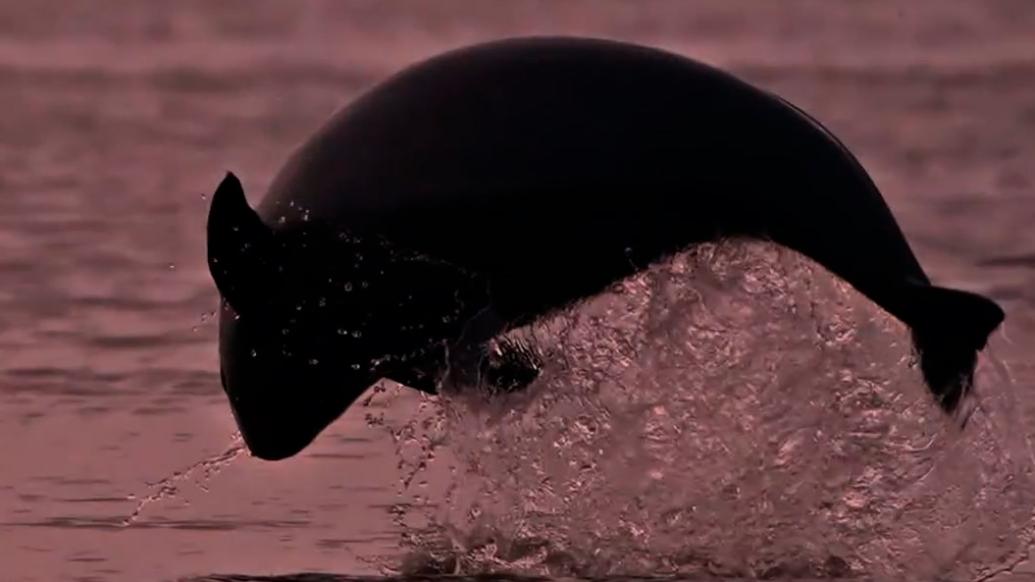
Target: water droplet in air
(313, 362)
(348, 286)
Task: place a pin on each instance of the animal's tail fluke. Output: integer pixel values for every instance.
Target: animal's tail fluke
(950, 327)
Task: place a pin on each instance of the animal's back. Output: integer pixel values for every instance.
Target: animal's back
(524, 156)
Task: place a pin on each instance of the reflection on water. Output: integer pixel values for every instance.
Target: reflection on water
(445, 578)
(482, 578)
(121, 118)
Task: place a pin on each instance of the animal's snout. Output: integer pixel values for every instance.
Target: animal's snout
(275, 420)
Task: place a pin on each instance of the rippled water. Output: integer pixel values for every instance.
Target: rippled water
(118, 118)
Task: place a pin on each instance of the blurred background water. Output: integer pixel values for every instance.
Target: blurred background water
(118, 118)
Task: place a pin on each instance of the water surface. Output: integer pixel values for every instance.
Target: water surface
(120, 117)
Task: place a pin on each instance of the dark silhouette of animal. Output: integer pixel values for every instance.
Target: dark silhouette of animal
(485, 187)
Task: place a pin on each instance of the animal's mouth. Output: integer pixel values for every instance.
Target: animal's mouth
(278, 417)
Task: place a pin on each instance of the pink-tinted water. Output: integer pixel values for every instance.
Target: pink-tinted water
(117, 118)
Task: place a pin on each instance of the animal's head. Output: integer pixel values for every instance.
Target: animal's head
(312, 316)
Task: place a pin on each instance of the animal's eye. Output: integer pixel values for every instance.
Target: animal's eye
(510, 365)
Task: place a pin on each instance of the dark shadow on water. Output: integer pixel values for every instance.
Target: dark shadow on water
(486, 578)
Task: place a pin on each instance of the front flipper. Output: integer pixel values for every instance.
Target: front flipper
(466, 356)
(457, 362)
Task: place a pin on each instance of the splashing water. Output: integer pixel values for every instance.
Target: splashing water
(169, 487)
(733, 411)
